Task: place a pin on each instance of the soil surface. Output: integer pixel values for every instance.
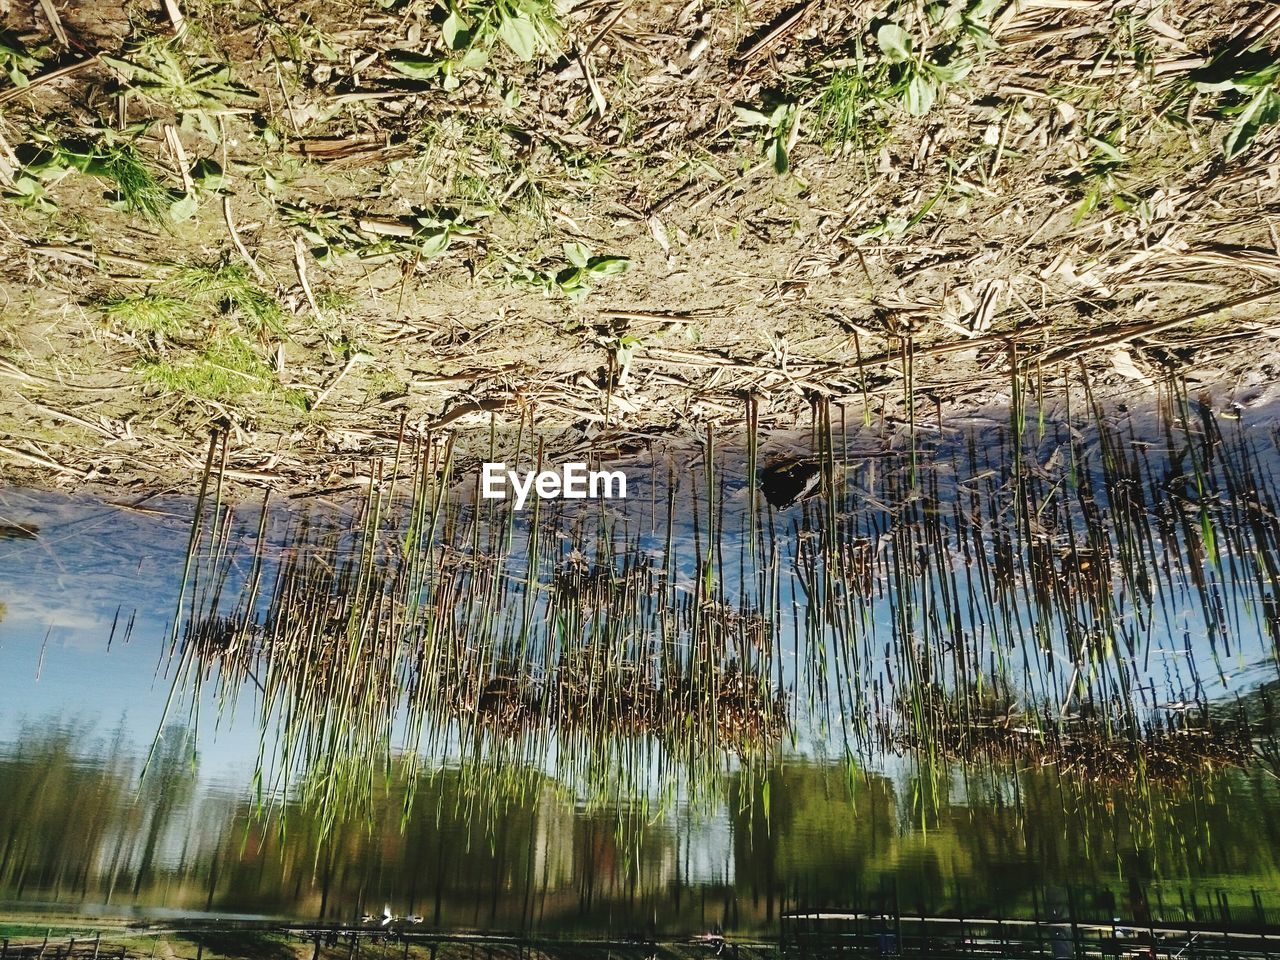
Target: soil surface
(327, 226)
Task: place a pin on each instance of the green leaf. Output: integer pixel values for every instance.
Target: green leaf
(415, 66)
(1108, 151)
(520, 34)
(946, 17)
(123, 67)
(1215, 86)
(1239, 71)
(273, 183)
(752, 118)
(50, 167)
(433, 244)
(30, 192)
(982, 10)
(573, 282)
(920, 95)
(894, 43)
(1263, 110)
(1089, 204)
(1259, 78)
(474, 59)
(889, 228)
(624, 351)
(183, 208)
(456, 31)
(924, 211)
(952, 72)
(777, 153)
(208, 174)
(608, 266)
(577, 253)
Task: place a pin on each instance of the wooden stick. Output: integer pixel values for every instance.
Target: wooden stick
(15, 92)
(1121, 333)
(300, 263)
(41, 461)
(174, 13)
(55, 21)
(90, 258)
(346, 368)
(773, 36)
(235, 238)
(8, 160)
(179, 156)
(604, 31)
(10, 370)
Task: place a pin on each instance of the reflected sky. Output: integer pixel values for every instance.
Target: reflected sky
(88, 608)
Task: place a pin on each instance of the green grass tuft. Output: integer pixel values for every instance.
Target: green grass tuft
(136, 186)
(150, 313)
(848, 108)
(226, 369)
(234, 290)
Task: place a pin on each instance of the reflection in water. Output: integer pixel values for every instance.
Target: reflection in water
(1038, 662)
(80, 833)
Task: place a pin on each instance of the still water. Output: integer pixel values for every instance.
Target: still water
(961, 674)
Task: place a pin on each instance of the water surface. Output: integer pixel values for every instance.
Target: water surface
(961, 677)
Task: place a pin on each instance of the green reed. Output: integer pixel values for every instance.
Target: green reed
(1004, 610)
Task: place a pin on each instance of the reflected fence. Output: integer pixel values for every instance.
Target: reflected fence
(1066, 921)
(1232, 934)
